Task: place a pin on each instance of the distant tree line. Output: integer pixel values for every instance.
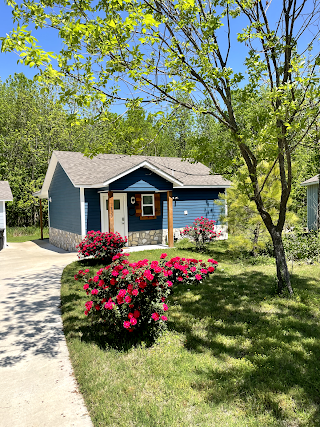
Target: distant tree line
(33, 123)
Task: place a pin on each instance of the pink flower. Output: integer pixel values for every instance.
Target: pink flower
(86, 270)
(135, 292)
(122, 292)
(198, 276)
(109, 305)
(96, 279)
(165, 307)
(126, 324)
(94, 292)
(169, 283)
(133, 321)
(180, 279)
(127, 299)
(164, 318)
(155, 316)
(86, 286)
(163, 256)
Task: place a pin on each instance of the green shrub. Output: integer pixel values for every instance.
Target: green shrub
(302, 246)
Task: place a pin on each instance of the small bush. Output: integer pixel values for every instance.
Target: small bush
(201, 232)
(101, 245)
(131, 297)
(302, 246)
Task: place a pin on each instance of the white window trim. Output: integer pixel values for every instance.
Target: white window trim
(143, 204)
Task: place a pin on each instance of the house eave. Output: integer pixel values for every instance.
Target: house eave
(306, 184)
(206, 186)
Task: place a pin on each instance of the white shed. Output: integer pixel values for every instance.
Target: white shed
(312, 185)
(5, 196)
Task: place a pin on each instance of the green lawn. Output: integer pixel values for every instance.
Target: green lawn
(24, 234)
(235, 353)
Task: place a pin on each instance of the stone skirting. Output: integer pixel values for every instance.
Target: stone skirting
(148, 237)
(64, 239)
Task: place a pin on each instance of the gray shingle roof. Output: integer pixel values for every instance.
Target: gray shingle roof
(85, 171)
(313, 180)
(5, 191)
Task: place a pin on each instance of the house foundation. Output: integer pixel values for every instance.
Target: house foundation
(148, 237)
(64, 239)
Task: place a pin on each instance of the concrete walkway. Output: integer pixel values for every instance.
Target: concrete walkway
(37, 386)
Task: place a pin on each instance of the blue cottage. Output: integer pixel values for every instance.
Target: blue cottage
(148, 199)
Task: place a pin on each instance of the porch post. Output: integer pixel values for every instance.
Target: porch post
(41, 223)
(170, 219)
(111, 212)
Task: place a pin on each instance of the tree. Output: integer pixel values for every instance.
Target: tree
(164, 48)
(32, 125)
(244, 221)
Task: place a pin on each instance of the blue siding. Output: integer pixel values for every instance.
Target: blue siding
(92, 209)
(198, 202)
(137, 224)
(141, 179)
(64, 209)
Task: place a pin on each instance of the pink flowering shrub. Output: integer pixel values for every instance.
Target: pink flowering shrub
(132, 297)
(101, 245)
(202, 232)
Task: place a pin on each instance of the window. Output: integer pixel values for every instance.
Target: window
(116, 204)
(147, 205)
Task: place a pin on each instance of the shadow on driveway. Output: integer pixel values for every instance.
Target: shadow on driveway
(30, 322)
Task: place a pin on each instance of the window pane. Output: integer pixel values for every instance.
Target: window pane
(147, 200)
(116, 204)
(147, 210)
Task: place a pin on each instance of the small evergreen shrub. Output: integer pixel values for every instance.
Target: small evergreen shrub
(201, 232)
(101, 245)
(131, 297)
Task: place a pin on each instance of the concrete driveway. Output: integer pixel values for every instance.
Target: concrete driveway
(37, 386)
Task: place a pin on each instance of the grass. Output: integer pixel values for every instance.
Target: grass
(235, 353)
(24, 234)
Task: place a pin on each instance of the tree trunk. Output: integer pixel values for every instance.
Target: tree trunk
(283, 274)
(318, 207)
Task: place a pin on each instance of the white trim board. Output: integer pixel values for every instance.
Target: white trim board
(149, 166)
(82, 213)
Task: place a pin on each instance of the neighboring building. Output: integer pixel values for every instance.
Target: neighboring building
(5, 196)
(312, 185)
(141, 197)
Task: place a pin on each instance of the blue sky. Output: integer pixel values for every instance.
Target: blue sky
(50, 42)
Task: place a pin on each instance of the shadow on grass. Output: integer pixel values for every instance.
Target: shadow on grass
(264, 350)
(267, 347)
